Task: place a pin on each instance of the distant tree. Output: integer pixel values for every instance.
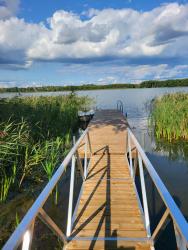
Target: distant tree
(144, 84)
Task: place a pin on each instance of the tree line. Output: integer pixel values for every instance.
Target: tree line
(144, 84)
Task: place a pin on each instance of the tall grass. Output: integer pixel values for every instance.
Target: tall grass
(169, 116)
(35, 135)
(46, 116)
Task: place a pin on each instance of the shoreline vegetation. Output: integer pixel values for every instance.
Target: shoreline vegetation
(144, 84)
(35, 135)
(169, 117)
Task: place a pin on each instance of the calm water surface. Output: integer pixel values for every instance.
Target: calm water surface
(170, 161)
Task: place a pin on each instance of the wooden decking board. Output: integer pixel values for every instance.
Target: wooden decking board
(108, 206)
(101, 245)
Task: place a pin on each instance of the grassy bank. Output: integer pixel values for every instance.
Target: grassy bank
(170, 116)
(35, 135)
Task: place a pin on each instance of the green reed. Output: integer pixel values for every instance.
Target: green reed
(35, 135)
(4, 187)
(169, 116)
(17, 220)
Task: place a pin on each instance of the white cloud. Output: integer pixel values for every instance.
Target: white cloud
(161, 71)
(106, 80)
(124, 33)
(16, 38)
(112, 73)
(108, 34)
(8, 8)
(101, 73)
(7, 84)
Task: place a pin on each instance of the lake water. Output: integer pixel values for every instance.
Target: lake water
(170, 161)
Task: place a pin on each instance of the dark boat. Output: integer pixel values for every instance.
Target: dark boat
(85, 117)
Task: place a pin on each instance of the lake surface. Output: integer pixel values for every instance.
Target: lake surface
(170, 160)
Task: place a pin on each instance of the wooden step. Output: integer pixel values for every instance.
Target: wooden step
(110, 245)
(118, 226)
(103, 232)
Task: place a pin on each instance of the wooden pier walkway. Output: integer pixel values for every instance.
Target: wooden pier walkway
(108, 212)
(109, 215)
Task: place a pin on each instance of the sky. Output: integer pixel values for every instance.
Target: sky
(74, 42)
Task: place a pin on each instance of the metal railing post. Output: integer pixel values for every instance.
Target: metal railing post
(144, 197)
(130, 154)
(135, 165)
(89, 142)
(69, 219)
(80, 167)
(28, 236)
(85, 158)
(120, 106)
(180, 241)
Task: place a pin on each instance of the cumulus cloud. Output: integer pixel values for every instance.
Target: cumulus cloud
(16, 38)
(8, 8)
(109, 34)
(123, 33)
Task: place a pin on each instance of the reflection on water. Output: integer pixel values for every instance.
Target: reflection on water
(174, 150)
(169, 159)
(175, 176)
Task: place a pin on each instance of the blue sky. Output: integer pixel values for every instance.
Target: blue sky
(58, 42)
(34, 11)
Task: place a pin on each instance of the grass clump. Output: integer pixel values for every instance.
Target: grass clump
(169, 116)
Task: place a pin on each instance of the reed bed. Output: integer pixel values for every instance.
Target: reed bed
(169, 116)
(35, 135)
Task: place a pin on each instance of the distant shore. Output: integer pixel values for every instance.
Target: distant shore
(145, 84)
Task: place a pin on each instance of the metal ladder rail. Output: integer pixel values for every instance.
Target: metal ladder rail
(120, 106)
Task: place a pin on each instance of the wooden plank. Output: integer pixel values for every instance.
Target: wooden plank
(108, 205)
(109, 232)
(100, 245)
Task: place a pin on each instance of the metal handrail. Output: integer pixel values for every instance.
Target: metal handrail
(120, 106)
(24, 231)
(180, 223)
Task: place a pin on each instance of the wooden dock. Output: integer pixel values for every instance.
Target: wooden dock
(109, 215)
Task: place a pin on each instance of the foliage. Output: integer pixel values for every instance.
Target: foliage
(144, 84)
(46, 116)
(35, 135)
(165, 83)
(170, 116)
